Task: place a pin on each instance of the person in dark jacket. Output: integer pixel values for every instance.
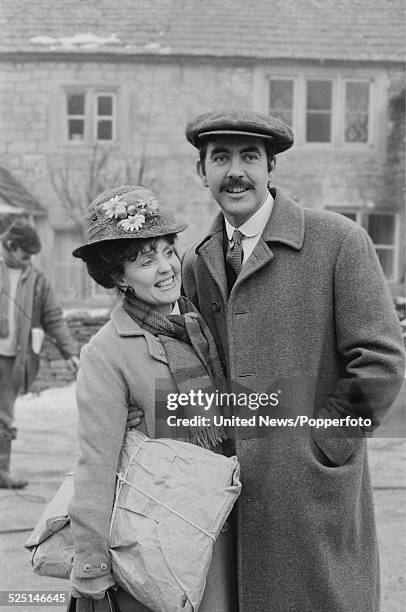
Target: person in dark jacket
(297, 303)
(28, 307)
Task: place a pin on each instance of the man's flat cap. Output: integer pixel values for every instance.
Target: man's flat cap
(239, 123)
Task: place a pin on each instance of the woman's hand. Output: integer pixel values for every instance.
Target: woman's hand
(135, 416)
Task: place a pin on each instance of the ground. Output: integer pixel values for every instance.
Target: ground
(46, 450)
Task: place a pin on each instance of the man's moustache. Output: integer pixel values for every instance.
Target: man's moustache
(233, 183)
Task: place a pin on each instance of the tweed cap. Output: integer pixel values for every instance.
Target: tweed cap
(22, 235)
(239, 123)
(129, 212)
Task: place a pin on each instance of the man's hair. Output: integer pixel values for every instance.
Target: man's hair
(268, 149)
(21, 235)
(106, 259)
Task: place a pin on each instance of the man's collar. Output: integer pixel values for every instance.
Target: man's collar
(255, 224)
(285, 225)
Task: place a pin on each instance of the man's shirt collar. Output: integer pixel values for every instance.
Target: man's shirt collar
(254, 225)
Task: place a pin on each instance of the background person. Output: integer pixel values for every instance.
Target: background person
(27, 303)
(151, 339)
(295, 298)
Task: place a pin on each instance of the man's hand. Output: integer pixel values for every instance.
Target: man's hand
(73, 363)
(135, 416)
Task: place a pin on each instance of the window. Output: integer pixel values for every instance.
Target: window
(318, 111)
(76, 116)
(90, 116)
(104, 117)
(330, 111)
(281, 99)
(356, 111)
(381, 227)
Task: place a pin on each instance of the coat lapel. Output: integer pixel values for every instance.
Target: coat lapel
(285, 225)
(211, 252)
(126, 326)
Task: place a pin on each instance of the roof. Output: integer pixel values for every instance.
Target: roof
(305, 29)
(14, 198)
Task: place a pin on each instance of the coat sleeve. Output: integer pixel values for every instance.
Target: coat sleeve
(368, 333)
(102, 404)
(53, 322)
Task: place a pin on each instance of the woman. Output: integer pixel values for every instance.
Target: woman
(149, 341)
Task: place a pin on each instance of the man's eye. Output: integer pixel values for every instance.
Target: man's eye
(221, 158)
(250, 156)
(170, 252)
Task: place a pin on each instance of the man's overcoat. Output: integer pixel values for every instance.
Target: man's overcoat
(308, 318)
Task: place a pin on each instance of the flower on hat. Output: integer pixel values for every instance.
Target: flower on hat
(132, 224)
(115, 208)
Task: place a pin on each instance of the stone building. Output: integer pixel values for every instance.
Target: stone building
(95, 92)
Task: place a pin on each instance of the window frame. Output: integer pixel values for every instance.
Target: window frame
(97, 118)
(339, 78)
(91, 116)
(361, 219)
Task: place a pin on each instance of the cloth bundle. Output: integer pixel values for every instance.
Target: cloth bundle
(172, 500)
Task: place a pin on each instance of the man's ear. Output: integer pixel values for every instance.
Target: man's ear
(199, 170)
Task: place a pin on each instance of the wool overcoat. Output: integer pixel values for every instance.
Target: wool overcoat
(311, 319)
(123, 366)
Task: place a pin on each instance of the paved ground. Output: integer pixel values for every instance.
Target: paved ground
(46, 450)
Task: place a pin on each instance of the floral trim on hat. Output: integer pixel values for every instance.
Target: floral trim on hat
(131, 216)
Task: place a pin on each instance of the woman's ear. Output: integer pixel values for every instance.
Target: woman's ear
(119, 281)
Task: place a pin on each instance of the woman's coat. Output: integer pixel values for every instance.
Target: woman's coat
(122, 366)
(309, 313)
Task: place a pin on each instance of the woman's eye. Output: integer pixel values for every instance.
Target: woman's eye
(146, 263)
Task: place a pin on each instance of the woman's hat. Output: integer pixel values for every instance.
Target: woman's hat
(129, 211)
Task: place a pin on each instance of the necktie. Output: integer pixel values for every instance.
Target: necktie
(235, 253)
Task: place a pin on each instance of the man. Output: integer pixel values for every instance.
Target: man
(27, 305)
(298, 304)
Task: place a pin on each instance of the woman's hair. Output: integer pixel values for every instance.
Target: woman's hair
(106, 259)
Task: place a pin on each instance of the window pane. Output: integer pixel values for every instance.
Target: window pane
(318, 128)
(76, 129)
(386, 258)
(104, 130)
(281, 99)
(105, 105)
(381, 228)
(76, 104)
(319, 95)
(357, 97)
(356, 111)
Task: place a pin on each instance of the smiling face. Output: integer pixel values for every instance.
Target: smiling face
(155, 275)
(236, 171)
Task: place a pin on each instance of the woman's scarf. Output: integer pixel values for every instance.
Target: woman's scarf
(192, 359)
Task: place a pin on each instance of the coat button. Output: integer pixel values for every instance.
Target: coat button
(86, 568)
(162, 353)
(103, 566)
(215, 307)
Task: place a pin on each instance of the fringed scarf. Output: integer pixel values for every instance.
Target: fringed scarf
(197, 369)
